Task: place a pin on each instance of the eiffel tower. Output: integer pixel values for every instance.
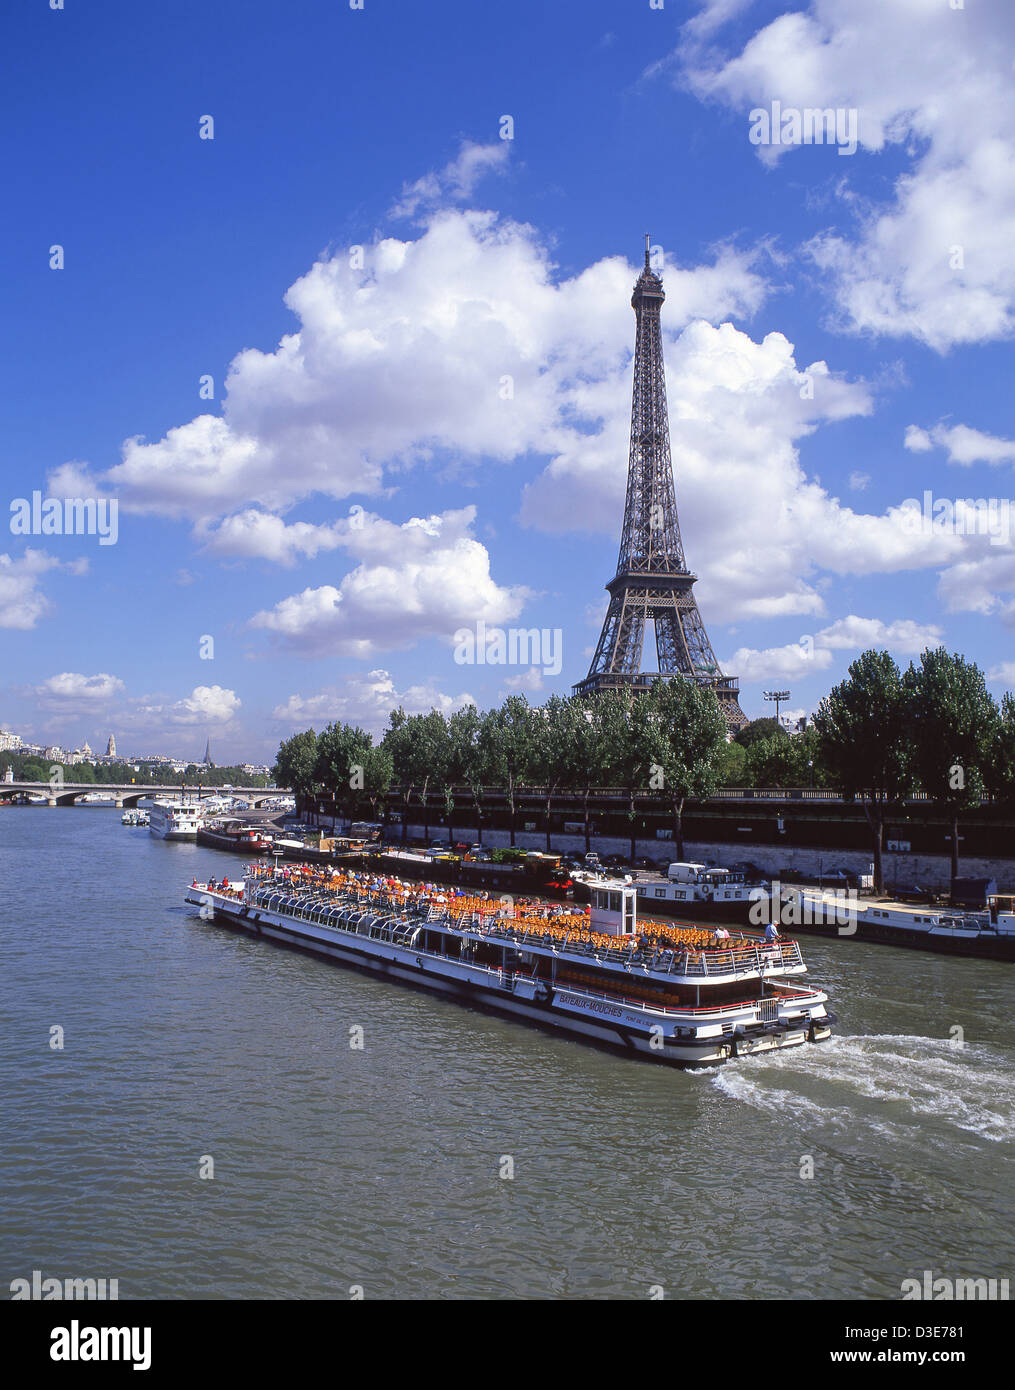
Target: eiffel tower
(653, 582)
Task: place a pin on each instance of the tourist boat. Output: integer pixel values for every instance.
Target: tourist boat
(175, 820)
(225, 832)
(667, 993)
(988, 934)
(137, 817)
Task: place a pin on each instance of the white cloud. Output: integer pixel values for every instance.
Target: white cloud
(1003, 674)
(260, 534)
(425, 578)
(365, 700)
(206, 704)
(455, 181)
(937, 260)
(758, 536)
(530, 681)
(859, 482)
(815, 652)
(917, 440)
(978, 585)
(401, 359)
(904, 635)
(72, 688)
(22, 602)
(964, 444)
(777, 663)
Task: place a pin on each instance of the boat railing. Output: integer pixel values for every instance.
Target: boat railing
(765, 1009)
(750, 957)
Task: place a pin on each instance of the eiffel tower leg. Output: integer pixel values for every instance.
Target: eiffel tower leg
(671, 645)
(621, 640)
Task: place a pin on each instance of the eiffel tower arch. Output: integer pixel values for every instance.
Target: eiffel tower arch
(653, 582)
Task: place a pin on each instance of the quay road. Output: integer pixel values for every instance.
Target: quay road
(129, 793)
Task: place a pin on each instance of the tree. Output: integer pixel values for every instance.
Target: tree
(861, 727)
(465, 729)
(399, 740)
(952, 724)
(342, 754)
(378, 770)
(508, 743)
(430, 751)
(590, 754)
(732, 763)
(786, 761)
(1001, 777)
(632, 743)
(688, 747)
(296, 762)
(758, 729)
(557, 738)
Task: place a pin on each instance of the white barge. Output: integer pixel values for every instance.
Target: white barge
(682, 995)
(176, 820)
(949, 931)
(703, 893)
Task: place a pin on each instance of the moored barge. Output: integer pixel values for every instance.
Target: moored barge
(947, 931)
(682, 995)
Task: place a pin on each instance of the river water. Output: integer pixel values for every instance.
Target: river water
(384, 1167)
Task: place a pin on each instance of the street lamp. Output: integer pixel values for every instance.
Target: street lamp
(777, 696)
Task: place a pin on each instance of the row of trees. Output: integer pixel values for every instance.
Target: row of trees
(876, 736)
(934, 728)
(670, 742)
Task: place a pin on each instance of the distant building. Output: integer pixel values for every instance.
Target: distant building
(111, 747)
(9, 742)
(793, 724)
(207, 754)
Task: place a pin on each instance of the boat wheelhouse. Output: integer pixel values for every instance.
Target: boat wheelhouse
(684, 995)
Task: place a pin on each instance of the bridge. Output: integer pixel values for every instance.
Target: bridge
(129, 793)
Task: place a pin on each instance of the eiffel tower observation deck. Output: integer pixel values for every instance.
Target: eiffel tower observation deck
(653, 583)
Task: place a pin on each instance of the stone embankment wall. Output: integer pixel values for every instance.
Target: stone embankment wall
(931, 871)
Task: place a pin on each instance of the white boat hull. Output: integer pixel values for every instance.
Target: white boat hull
(655, 1035)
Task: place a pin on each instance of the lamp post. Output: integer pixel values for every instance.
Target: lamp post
(777, 696)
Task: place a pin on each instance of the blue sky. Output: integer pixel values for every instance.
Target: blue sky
(838, 336)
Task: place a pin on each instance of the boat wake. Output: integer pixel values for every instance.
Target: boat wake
(889, 1082)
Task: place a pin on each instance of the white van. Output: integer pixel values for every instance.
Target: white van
(685, 873)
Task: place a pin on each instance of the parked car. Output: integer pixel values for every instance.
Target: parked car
(839, 878)
(751, 872)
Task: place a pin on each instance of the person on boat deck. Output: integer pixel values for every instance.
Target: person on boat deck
(771, 932)
(722, 934)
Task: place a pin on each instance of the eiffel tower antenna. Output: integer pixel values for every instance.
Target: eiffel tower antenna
(653, 582)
